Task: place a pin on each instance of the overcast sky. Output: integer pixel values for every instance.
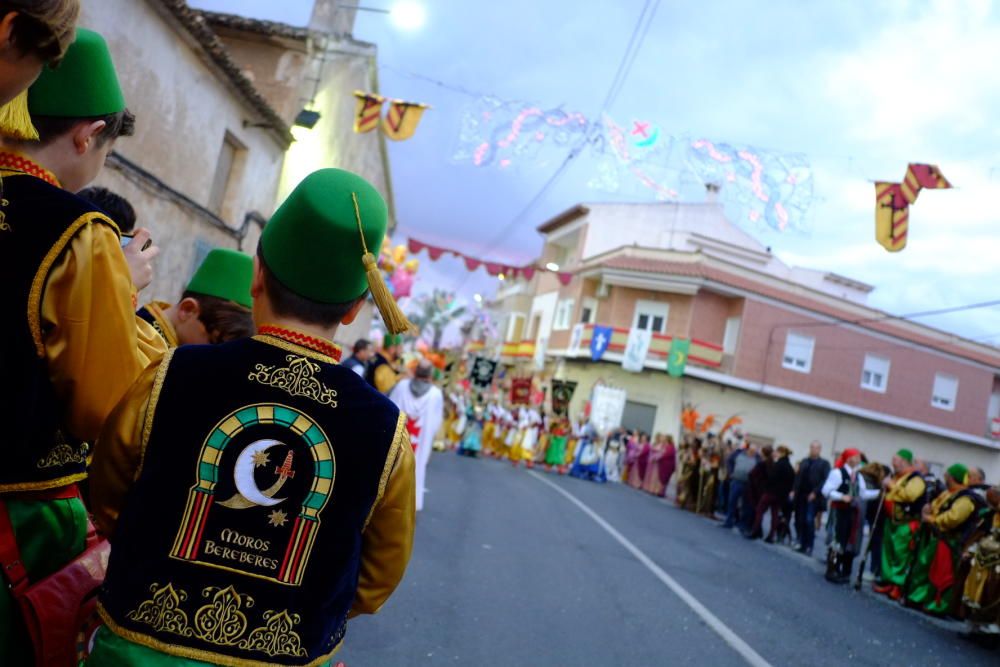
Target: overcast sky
(862, 88)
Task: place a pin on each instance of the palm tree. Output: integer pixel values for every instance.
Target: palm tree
(433, 313)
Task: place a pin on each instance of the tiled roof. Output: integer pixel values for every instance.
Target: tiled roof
(701, 270)
(257, 26)
(197, 26)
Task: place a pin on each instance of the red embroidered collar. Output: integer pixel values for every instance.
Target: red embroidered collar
(22, 163)
(313, 343)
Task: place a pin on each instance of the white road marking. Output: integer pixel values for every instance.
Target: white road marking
(710, 619)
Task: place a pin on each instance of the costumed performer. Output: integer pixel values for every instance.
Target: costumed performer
(215, 306)
(330, 534)
(72, 344)
(423, 404)
(932, 584)
(981, 592)
(902, 507)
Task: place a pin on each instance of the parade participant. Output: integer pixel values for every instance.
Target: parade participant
(119, 209)
(663, 468)
(637, 474)
(756, 483)
(904, 495)
(777, 487)
(462, 409)
(847, 492)
(214, 307)
(611, 457)
(932, 584)
(206, 563)
(587, 464)
(472, 440)
(708, 479)
(423, 405)
(807, 498)
(981, 591)
(383, 370)
(555, 452)
(738, 510)
(72, 344)
(33, 33)
(360, 355)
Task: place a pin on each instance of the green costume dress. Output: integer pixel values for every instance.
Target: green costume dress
(932, 585)
(902, 522)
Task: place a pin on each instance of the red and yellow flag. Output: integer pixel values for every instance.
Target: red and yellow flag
(892, 203)
(367, 112)
(401, 121)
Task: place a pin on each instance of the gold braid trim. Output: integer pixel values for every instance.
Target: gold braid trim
(196, 653)
(162, 325)
(398, 440)
(150, 412)
(293, 348)
(43, 485)
(42, 275)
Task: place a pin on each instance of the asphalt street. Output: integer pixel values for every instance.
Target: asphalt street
(506, 570)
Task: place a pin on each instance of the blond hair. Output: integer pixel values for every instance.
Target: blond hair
(43, 27)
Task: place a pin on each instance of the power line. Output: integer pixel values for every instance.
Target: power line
(621, 74)
(882, 318)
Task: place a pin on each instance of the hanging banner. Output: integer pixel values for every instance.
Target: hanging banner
(575, 338)
(636, 349)
(367, 111)
(401, 121)
(562, 394)
(607, 405)
(520, 391)
(540, 346)
(492, 268)
(892, 203)
(599, 342)
(482, 373)
(678, 356)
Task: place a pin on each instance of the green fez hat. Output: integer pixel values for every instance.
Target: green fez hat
(85, 84)
(906, 455)
(958, 472)
(224, 274)
(392, 339)
(322, 242)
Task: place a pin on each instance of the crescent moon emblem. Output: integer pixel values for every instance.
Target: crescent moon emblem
(650, 140)
(247, 493)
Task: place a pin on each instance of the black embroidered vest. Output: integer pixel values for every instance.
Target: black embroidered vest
(37, 223)
(240, 541)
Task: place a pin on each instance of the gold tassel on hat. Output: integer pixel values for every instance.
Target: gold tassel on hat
(395, 321)
(15, 121)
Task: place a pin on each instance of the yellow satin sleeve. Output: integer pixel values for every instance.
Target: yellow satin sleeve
(118, 453)
(388, 540)
(910, 492)
(956, 515)
(385, 378)
(94, 343)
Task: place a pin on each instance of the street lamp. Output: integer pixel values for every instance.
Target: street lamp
(552, 266)
(405, 14)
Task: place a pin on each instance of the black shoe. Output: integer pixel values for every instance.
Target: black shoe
(769, 540)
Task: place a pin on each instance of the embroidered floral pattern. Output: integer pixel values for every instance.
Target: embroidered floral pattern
(297, 379)
(276, 636)
(162, 612)
(63, 454)
(221, 621)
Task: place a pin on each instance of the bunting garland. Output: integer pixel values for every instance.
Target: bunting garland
(493, 268)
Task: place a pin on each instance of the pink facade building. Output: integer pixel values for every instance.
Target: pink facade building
(796, 352)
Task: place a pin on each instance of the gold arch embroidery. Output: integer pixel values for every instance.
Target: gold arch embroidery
(297, 379)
